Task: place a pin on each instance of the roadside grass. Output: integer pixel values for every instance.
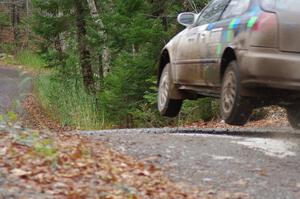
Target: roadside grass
(64, 99)
(67, 101)
(26, 58)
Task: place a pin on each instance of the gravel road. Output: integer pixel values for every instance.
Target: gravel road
(14, 86)
(257, 163)
(254, 163)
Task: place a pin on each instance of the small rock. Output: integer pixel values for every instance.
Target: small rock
(241, 183)
(298, 185)
(256, 170)
(168, 151)
(224, 195)
(50, 192)
(206, 179)
(151, 159)
(240, 196)
(122, 149)
(18, 127)
(211, 192)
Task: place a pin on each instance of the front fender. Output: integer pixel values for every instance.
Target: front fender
(166, 61)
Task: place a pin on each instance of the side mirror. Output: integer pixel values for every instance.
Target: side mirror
(186, 18)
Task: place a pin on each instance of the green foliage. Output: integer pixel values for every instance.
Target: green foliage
(50, 21)
(4, 20)
(46, 148)
(7, 48)
(259, 114)
(12, 116)
(68, 102)
(28, 58)
(203, 109)
(9, 118)
(125, 86)
(146, 115)
(43, 147)
(136, 31)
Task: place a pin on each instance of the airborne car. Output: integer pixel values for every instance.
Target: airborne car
(247, 52)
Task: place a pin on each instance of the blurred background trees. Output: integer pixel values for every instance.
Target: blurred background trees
(15, 30)
(102, 55)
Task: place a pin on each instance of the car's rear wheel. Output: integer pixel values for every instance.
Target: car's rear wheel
(294, 116)
(235, 109)
(166, 106)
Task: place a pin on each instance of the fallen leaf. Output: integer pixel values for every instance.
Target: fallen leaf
(20, 172)
(60, 185)
(3, 151)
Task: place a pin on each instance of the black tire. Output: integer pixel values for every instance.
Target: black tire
(235, 109)
(167, 107)
(294, 116)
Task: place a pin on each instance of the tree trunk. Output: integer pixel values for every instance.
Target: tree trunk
(62, 38)
(15, 23)
(106, 61)
(27, 24)
(105, 57)
(85, 55)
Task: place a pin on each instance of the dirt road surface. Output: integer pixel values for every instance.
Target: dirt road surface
(257, 163)
(14, 86)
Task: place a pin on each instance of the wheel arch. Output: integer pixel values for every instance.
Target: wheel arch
(163, 61)
(228, 56)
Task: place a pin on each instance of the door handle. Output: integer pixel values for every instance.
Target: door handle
(202, 35)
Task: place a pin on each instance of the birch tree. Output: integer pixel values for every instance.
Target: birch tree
(105, 57)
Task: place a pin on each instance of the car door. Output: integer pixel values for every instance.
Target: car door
(187, 67)
(221, 34)
(211, 36)
(191, 53)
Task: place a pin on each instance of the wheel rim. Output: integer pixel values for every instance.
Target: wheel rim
(163, 93)
(229, 92)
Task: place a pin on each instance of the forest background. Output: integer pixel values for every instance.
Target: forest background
(97, 59)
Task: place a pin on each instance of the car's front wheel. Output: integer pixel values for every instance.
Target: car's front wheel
(167, 106)
(235, 109)
(294, 116)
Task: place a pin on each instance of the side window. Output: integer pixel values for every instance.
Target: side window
(213, 12)
(288, 5)
(236, 8)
